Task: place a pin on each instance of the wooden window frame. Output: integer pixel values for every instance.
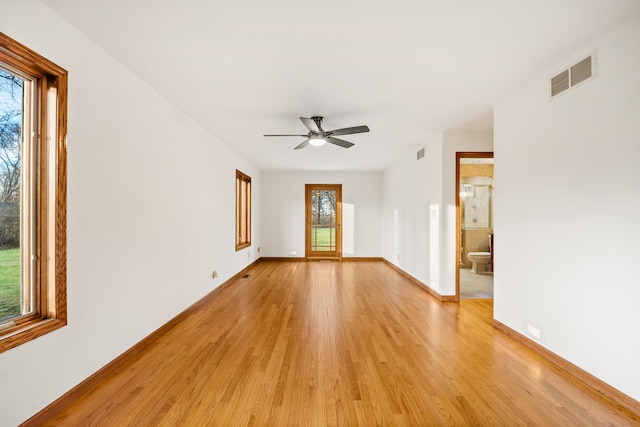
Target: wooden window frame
(243, 211)
(50, 225)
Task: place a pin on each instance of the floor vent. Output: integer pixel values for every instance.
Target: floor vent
(420, 154)
(579, 72)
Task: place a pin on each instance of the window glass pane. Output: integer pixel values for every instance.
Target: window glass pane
(248, 213)
(14, 301)
(323, 220)
(243, 212)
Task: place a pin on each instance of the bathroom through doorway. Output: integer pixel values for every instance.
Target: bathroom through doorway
(474, 225)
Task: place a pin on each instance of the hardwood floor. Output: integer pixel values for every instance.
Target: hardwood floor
(327, 343)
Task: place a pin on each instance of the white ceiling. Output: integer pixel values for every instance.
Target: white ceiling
(405, 68)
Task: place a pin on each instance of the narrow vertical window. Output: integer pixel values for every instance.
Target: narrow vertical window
(243, 210)
(32, 194)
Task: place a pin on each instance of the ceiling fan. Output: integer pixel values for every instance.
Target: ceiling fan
(318, 136)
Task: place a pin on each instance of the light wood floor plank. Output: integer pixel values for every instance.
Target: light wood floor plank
(337, 344)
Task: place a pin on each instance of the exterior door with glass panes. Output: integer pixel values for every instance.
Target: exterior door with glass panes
(323, 221)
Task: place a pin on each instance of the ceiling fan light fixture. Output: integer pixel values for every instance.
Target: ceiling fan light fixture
(318, 136)
(317, 141)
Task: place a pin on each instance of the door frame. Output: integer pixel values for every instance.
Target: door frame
(463, 155)
(316, 255)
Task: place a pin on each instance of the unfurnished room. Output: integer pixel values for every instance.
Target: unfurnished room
(358, 213)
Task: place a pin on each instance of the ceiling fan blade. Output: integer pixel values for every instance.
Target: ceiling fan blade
(304, 136)
(304, 144)
(310, 124)
(349, 131)
(340, 142)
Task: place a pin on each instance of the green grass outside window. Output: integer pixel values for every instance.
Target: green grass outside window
(9, 283)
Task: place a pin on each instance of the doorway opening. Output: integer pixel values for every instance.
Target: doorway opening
(474, 225)
(323, 229)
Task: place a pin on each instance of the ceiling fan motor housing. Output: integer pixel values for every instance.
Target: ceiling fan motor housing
(318, 121)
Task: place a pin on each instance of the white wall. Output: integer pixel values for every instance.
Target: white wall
(567, 212)
(151, 212)
(412, 191)
(419, 208)
(283, 211)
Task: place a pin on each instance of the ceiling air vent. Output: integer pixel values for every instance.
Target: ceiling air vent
(420, 154)
(574, 75)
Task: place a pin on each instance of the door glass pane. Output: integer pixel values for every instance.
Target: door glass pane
(13, 300)
(323, 220)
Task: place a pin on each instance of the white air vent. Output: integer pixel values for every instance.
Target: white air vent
(420, 154)
(578, 73)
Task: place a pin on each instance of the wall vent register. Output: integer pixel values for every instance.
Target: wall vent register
(579, 72)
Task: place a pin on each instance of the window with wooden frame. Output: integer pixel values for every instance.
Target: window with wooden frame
(33, 116)
(243, 210)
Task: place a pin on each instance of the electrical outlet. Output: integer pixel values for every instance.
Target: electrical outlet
(535, 332)
(214, 274)
(258, 249)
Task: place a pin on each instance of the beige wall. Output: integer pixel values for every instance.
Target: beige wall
(467, 170)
